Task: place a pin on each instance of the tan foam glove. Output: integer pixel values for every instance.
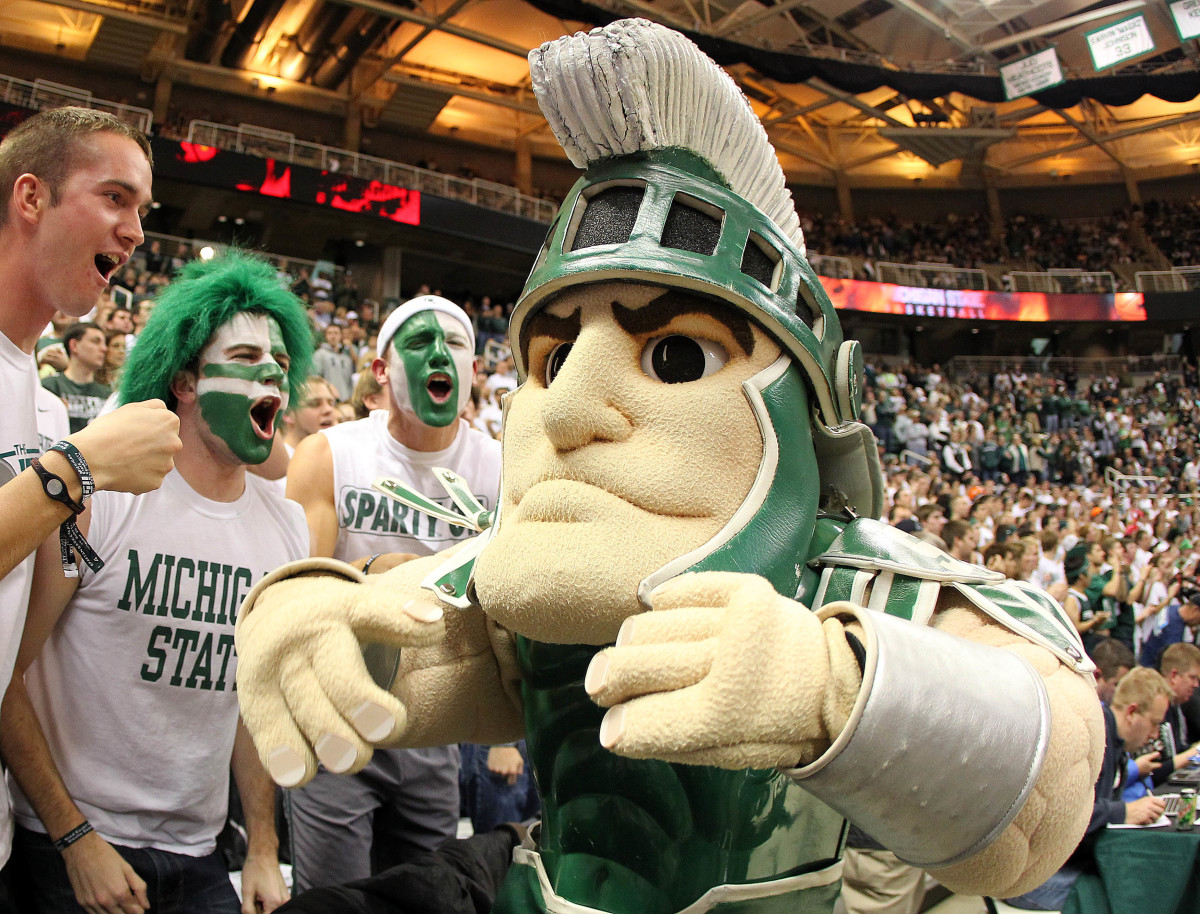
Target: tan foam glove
(724, 671)
(303, 687)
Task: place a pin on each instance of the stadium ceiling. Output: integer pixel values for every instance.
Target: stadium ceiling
(852, 92)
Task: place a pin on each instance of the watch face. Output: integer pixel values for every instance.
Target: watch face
(55, 487)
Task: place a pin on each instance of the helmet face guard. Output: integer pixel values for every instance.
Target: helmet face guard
(664, 218)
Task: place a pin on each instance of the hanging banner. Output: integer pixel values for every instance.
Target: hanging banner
(1031, 74)
(1120, 41)
(1186, 14)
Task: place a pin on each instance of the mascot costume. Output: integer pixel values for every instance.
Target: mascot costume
(716, 654)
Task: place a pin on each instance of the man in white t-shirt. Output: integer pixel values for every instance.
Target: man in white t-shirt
(76, 183)
(123, 719)
(406, 800)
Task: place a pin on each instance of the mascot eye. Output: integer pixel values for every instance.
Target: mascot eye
(676, 359)
(556, 360)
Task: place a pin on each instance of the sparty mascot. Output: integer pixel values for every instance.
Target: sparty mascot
(715, 653)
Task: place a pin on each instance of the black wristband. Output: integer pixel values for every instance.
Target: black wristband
(79, 465)
(72, 836)
(70, 537)
(55, 487)
(367, 563)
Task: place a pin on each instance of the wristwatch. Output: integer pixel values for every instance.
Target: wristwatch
(54, 487)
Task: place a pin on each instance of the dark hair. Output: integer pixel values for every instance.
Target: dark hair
(75, 333)
(954, 531)
(1110, 655)
(49, 144)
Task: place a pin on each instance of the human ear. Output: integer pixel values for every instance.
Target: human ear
(183, 386)
(29, 195)
(380, 369)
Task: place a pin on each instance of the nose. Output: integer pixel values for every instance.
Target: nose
(440, 356)
(584, 402)
(271, 373)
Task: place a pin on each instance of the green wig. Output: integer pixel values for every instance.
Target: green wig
(205, 295)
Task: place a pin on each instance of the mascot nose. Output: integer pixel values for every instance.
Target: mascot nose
(582, 403)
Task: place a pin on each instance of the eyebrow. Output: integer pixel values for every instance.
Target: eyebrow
(546, 324)
(129, 189)
(660, 311)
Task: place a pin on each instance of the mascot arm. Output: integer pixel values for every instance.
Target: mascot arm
(970, 751)
(1055, 815)
(961, 747)
(307, 695)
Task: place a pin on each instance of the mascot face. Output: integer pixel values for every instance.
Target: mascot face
(243, 386)
(430, 367)
(631, 443)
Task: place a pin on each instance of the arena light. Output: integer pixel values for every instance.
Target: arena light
(207, 252)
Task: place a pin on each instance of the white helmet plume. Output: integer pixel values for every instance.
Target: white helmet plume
(634, 86)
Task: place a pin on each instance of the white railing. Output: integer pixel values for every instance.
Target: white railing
(1055, 281)
(42, 94)
(831, 266)
(1181, 279)
(279, 144)
(1154, 483)
(931, 276)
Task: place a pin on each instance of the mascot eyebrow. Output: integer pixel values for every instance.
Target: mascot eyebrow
(665, 308)
(657, 313)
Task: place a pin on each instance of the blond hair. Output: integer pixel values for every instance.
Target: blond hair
(1140, 687)
(1179, 658)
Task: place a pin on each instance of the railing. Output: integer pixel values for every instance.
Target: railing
(1181, 279)
(1055, 281)
(931, 276)
(190, 248)
(1154, 483)
(831, 266)
(962, 366)
(42, 94)
(279, 144)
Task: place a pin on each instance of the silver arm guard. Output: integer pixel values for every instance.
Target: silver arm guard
(943, 745)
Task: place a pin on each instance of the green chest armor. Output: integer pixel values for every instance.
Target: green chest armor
(635, 836)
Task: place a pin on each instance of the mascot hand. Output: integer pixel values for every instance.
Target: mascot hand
(724, 671)
(301, 679)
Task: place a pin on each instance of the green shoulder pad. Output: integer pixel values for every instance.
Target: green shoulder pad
(906, 575)
(875, 546)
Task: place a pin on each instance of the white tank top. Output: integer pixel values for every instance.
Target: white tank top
(370, 522)
(135, 686)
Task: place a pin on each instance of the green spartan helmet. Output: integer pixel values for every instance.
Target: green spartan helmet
(665, 217)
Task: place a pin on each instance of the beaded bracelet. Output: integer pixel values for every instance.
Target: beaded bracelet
(367, 564)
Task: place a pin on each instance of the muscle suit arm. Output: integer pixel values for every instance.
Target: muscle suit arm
(301, 675)
(1056, 813)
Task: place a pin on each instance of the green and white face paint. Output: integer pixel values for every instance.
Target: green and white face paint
(430, 365)
(243, 384)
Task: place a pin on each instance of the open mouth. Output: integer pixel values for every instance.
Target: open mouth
(440, 387)
(106, 265)
(262, 415)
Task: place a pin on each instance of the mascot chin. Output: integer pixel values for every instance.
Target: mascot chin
(684, 604)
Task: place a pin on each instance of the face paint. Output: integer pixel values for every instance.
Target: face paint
(430, 365)
(243, 384)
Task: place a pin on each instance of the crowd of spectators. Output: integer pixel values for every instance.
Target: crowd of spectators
(1026, 241)
(345, 327)
(1175, 229)
(1015, 471)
